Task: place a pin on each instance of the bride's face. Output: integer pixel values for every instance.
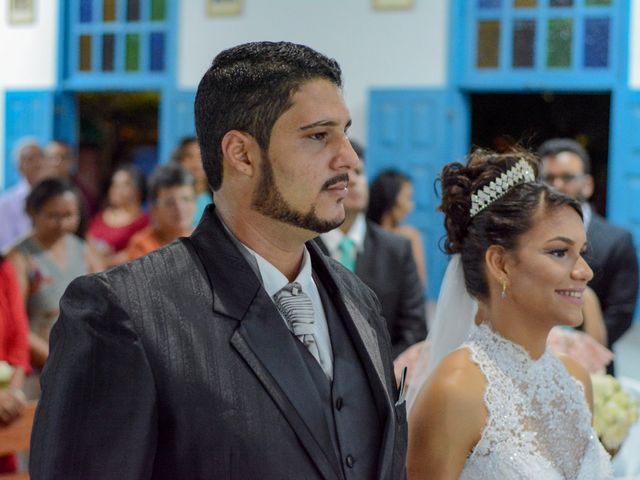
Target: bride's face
(547, 274)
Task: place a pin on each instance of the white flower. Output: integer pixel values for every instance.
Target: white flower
(614, 411)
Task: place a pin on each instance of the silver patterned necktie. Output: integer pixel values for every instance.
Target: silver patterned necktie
(297, 309)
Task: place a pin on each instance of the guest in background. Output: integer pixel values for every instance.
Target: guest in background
(173, 202)
(48, 260)
(33, 167)
(390, 202)
(382, 260)
(188, 156)
(112, 228)
(14, 349)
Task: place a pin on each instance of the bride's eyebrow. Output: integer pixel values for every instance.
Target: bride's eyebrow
(562, 239)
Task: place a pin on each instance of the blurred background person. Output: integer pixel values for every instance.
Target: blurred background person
(63, 155)
(33, 167)
(188, 156)
(172, 196)
(382, 260)
(611, 254)
(390, 202)
(14, 349)
(48, 260)
(111, 229)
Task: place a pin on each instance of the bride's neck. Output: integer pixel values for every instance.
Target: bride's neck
(519, 329)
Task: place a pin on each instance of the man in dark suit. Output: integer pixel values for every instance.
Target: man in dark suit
(611, 253)
(242, 351)
(382, 260)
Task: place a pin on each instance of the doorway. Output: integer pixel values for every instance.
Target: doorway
(529, 119)
(116, 128)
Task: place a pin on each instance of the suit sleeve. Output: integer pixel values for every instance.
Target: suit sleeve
(410, 324)
(97, 415)
(620, 304)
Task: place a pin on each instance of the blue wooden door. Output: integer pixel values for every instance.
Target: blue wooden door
(27, 114)
(417, 131)
(623, 191)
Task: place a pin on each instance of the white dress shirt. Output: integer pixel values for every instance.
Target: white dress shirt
(356, 233)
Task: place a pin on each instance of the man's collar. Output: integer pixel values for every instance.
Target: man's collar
(272, 279)
(587, 214)
(356, 233)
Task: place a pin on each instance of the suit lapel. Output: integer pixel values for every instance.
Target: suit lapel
(264, 342)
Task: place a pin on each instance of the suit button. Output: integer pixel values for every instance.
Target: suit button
(339, 403)
(349, 460)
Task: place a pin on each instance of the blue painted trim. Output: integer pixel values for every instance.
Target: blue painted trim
(28, 113)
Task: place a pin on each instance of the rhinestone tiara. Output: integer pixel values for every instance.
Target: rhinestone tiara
(519, 173)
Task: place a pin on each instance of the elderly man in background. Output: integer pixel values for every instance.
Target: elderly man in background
(33, 167)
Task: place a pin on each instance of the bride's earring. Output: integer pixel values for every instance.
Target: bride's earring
(503, 294)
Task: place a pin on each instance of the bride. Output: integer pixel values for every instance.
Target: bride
(502, 406)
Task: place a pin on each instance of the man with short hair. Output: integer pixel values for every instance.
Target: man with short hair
(33, 166)
(242, 351)
(172, 196)
(611, 253)
(382, 260)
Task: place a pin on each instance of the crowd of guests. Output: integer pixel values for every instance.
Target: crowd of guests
(52, 234)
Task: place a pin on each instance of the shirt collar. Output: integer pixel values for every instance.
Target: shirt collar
(356, 233)
(273, 280)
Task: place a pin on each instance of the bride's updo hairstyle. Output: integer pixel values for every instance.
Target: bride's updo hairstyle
(502, 222)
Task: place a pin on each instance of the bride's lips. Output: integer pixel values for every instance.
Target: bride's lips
(572, 295)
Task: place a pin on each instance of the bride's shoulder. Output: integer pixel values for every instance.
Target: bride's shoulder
(455, 387)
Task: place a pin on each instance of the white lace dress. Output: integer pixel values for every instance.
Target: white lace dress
(538, 424)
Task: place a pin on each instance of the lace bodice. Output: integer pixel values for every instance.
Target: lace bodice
(538, 424)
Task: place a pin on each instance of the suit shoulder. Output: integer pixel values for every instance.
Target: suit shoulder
(387, 238)
(602, 227)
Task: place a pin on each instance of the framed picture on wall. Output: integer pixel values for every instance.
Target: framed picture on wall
(21, 12)
(216, 8)
(392, 4)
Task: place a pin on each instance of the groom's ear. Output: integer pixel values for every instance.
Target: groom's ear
(495, 259)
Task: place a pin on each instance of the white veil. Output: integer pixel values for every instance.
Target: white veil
(453, 320)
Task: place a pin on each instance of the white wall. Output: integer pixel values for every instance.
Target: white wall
(31, 52)
(374, 48)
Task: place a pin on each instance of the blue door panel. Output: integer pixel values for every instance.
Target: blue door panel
(624, 165)
(413, 130)
(176, 120)
(27, 114)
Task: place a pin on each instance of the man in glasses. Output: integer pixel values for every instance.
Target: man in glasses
(611, 253)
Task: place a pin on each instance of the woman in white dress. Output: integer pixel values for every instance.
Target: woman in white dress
(501, 406)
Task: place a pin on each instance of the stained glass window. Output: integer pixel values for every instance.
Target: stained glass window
(133, 10)
(108, 47)
(84, 64)
(132, 54)
(85, 11)
(488, 43)
(561, 3)
(525, 3)
(597, 2)
(596, 42)
(109, 11)
(560, 32)
(156, 51)
(158, 10)
(489, 3)
(524, 35)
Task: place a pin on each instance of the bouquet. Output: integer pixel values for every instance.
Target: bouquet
(614, 411)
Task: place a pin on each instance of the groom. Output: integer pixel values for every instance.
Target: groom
(241, 351)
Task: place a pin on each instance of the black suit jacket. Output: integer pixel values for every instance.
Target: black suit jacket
(178, 366)
(612, 257)
(387, 266)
